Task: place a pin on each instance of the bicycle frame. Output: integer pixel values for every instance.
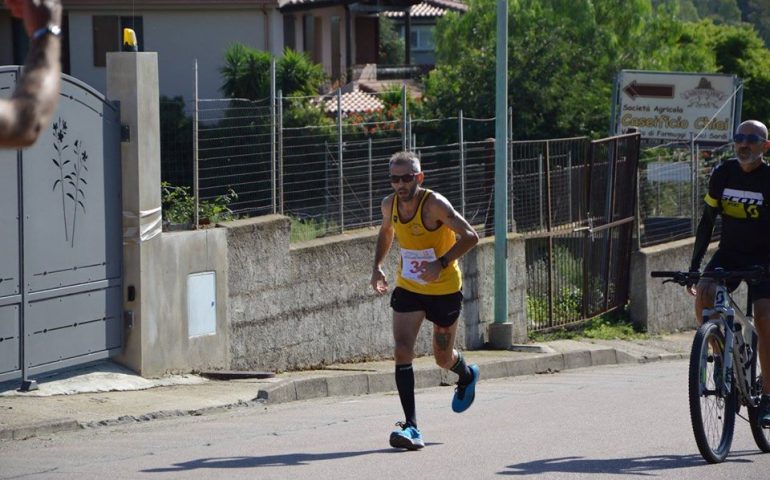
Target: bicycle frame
(737, 327)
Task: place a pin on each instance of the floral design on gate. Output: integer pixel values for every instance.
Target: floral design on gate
(71, 160)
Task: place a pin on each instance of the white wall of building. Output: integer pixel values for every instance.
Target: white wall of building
(180, 37)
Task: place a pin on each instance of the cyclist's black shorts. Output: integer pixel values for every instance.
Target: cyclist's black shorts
(443, 310)
(736, 261)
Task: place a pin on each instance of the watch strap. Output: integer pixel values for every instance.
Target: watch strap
(51, 29)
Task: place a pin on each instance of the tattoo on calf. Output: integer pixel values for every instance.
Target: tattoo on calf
(442, 340)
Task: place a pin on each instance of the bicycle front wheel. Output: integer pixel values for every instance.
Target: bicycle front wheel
(761, 435)
(712, 414)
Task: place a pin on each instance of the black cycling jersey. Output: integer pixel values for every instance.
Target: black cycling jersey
(743, 201)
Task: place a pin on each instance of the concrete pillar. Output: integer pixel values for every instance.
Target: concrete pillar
(132, 80)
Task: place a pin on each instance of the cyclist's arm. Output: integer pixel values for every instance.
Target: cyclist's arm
(703, 236)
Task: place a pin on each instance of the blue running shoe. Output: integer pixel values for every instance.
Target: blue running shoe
(465, 394)
(408, 437)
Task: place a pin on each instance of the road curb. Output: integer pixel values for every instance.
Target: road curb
(362, 383)
(37, 429)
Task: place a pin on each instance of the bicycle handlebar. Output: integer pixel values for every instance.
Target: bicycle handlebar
(752, 274)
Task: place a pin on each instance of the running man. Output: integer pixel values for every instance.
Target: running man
(432, 236)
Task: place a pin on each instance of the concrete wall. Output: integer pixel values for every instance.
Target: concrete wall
(310, 304)
(180, 37)
(156, 265)
(166, 344)
(325, 14)
(659, 308)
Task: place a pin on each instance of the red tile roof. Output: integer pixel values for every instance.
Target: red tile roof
(353, 102)
(429, 9)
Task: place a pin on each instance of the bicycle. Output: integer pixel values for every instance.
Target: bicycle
(726, 339)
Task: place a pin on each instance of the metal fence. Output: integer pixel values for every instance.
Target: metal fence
(673, 179)
(329, 173)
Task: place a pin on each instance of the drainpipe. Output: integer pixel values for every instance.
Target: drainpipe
(348, 45)
(267, 31)
(408, 37)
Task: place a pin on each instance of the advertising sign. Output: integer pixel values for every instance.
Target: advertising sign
(674, 106)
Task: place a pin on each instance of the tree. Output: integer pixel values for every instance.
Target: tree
(391, 47)
(246, 73)
(563, 57)
(755, 13)
(739, 50)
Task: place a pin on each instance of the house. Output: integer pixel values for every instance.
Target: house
(181, 31)
(420, 24)
(339, 34)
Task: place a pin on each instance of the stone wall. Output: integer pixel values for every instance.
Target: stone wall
(310, 304)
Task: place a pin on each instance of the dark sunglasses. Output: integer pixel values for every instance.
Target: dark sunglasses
(406, 178)
(750, 138)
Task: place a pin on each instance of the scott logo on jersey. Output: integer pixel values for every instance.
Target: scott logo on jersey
(741, 203)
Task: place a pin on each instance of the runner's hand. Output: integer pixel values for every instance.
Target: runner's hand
(378, 282)
(431, 271)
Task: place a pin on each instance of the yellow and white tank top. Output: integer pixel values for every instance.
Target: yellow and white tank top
(420, 246)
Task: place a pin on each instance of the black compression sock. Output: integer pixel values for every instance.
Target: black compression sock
(405, 385)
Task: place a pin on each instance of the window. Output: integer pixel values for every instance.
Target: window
(108, 35)
(289, 37)
(420, 38)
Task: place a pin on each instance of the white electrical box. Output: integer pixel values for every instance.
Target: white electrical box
(201, 304)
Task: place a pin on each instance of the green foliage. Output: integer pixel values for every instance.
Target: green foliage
(391, 47)
(297, 75)
(246, 73)
(178, 206)
(217, 210)
(568, 299)
(310, 228)
(610, 326)
(563, 57)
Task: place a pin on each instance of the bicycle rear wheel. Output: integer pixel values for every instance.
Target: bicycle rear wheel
(711, 413)
(761, 435)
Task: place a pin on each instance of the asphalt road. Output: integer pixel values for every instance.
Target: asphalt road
(627, 421)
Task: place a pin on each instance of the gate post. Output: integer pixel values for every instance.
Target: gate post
(132, 80)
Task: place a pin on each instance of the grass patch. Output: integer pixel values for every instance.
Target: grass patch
(310, 228)
(610, 326)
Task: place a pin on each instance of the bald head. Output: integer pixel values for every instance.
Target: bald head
(753, 126)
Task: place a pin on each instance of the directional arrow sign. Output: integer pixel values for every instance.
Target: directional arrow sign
(653, 90)
(676, 106)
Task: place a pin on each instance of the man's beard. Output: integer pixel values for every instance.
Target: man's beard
(411, 193)
(751, 158)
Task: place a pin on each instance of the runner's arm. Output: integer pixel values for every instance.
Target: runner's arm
(35, 99)
(467, 238)
(384, 242)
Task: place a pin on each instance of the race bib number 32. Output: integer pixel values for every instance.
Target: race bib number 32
(414, 263)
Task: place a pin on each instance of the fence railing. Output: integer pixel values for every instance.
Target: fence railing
(672, 181)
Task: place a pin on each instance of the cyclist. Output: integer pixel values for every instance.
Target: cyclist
(739, 191)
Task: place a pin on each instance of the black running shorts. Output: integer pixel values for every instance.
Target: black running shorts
(443, 310)
(735, 261)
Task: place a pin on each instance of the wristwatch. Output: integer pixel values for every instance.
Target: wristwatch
(50, 28)
(443, 261)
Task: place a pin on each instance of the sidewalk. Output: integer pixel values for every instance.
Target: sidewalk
(107, 394)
